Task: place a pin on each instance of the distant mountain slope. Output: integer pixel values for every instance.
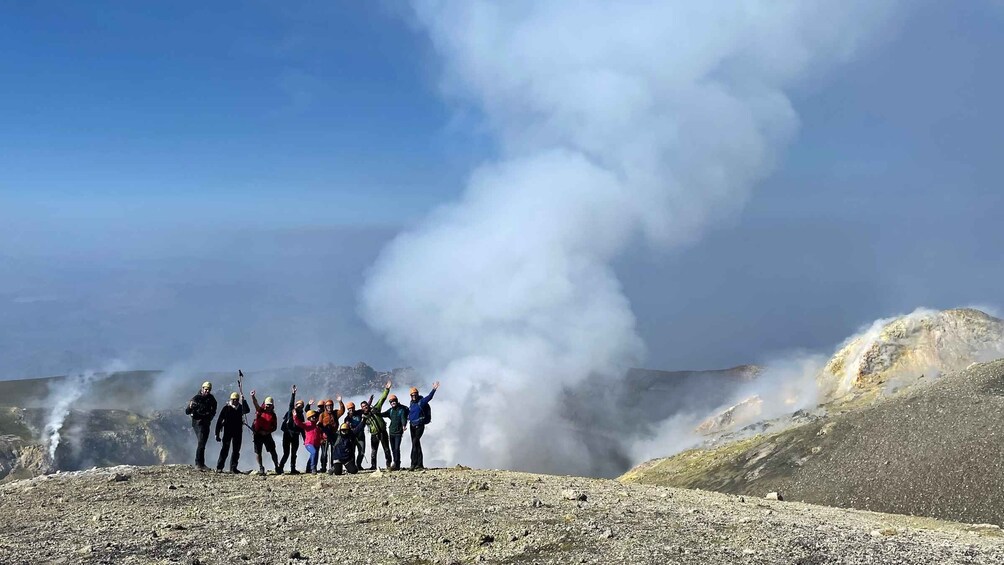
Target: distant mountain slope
(934, 450)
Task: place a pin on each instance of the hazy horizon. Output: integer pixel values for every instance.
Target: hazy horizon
(216, 197)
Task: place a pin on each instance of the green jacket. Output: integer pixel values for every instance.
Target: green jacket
(375, 419)
(398, 419)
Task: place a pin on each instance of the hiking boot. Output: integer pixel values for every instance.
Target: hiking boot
(261, 470)
(219, 470)
(202, 467)
(329, 471)
(236, 471)
(278, 471)
(294, 472)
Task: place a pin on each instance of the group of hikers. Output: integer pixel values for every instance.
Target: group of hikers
(332, 447)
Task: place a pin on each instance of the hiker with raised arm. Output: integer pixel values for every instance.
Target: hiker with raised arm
(397, 415)
(311, 438)
(328, 422)
(202, 408)
(231, 424)
(354, 418)
(291, 433)
(419, 416)
(378, 428)
(265, 422)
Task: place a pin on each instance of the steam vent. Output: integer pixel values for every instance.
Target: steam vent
(902, 350)
(908, 422)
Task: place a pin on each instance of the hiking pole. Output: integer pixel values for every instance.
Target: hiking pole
(240, 387)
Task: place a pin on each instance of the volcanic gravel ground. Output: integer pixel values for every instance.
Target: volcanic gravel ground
(175, 514)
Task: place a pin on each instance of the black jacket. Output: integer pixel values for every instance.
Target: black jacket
(287, 426)
(345, 442)
(232, 418)
(203, 408)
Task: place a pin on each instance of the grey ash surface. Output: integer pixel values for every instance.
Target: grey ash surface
(174, 514)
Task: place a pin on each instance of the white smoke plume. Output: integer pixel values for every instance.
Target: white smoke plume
(63, 395)
(618, 122)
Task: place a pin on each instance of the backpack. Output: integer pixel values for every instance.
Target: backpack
(426, 414)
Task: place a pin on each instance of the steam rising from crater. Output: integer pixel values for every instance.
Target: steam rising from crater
(63, 395)
(618, 123)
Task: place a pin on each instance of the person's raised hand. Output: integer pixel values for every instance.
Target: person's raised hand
(310, 402)
(252, 392)
(388, 385)
(435, 385)
(338, 399)
(294, 389)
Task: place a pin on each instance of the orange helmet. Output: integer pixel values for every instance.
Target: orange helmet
(392, 398)
(345, 426)
(351, 405)
(299, 404)
(413, 390)
(311, 414)
(329, 402)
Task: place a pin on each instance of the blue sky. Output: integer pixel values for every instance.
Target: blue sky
(198, 183)
(223, 112)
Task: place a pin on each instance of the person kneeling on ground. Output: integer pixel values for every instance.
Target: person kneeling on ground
(231, 424)
(345, 448)
(311, 439)
(265, 422)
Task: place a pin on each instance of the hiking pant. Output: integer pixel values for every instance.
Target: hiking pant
(201, 428)
(290, 444)
(311, 458)
(350, 467)
(375, 441)
(395, 449)
(266, 441)
(323, 456)
(416, 446)
(231, 441)
(360, 449)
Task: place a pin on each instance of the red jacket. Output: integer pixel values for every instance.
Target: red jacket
(264, 422)
(311, 430)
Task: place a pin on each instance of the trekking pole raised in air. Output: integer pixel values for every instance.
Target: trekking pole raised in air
(240, 387)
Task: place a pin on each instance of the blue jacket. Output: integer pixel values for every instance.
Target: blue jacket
(415, 409)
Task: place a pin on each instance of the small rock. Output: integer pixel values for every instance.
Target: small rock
(86, 549)
(883, 532)
(774, 496)
(607, 534)
(572, 494)
(536, 502)
(485, 539)
(172, 487)
(295, 554)
(118, 478)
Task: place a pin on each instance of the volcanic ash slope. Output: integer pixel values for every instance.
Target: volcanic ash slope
(896, 440)
(174, 514)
